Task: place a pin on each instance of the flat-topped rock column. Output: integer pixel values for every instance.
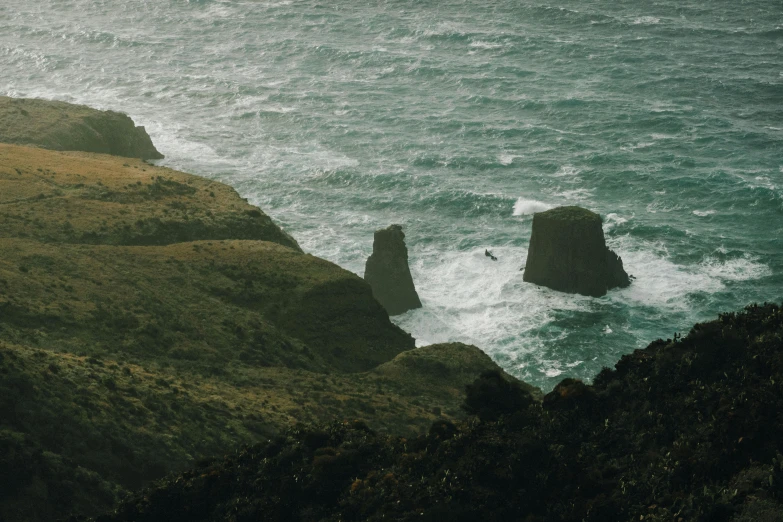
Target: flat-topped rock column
(568, 253)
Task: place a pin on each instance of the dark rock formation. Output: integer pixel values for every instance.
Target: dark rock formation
(568, 253)
(388, 274)
(453, 365)
(64, 126)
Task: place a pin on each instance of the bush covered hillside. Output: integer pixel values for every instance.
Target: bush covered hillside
(685, 429)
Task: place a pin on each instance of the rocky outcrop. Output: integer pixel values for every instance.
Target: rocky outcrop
(454, 365)
(388, 273)
(64, 126)
(568, 253)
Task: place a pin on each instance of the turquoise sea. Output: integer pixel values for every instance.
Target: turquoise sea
(460, 119)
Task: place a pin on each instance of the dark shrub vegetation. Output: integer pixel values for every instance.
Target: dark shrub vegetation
(683, 430)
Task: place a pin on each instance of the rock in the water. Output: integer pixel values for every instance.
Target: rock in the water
(388, 274)
(568, 253)
(64, 126)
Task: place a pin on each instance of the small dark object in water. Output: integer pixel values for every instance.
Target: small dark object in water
(489, 255)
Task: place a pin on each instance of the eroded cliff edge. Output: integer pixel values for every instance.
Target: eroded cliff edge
(64, 126)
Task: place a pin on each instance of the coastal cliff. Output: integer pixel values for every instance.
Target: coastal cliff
(73, 197)
(150, 319)
(167, 352)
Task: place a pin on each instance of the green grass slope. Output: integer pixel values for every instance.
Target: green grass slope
(74, 197)
(198, 305)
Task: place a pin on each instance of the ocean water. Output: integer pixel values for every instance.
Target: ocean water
(459, 120)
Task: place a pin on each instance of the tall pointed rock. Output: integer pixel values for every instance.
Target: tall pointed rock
(388, 273)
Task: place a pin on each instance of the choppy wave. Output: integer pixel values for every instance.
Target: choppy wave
(525, 207)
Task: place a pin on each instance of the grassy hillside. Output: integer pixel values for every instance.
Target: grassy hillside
(150, 319)
(75, 197)
(77, 431)
(198, 305)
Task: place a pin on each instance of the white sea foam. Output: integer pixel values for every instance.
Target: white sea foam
(664, 284)
(275, 109)
(703, 213)
(507, 159)
(182, 152)
(637, 146)
(659, 282)
(478, 44)
(612, 220)
(737, 269)
(469, 298)
(646, 20)
(580, 194)
(661, 206)
(567, 171)
(765, 182)
(525, 207)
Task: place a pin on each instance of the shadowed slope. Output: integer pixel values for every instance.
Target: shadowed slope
(150, 319)
(76, 430)
(205, 303)
(685, 430)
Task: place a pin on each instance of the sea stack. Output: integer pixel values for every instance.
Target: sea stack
(388, 274)
(568, 253)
